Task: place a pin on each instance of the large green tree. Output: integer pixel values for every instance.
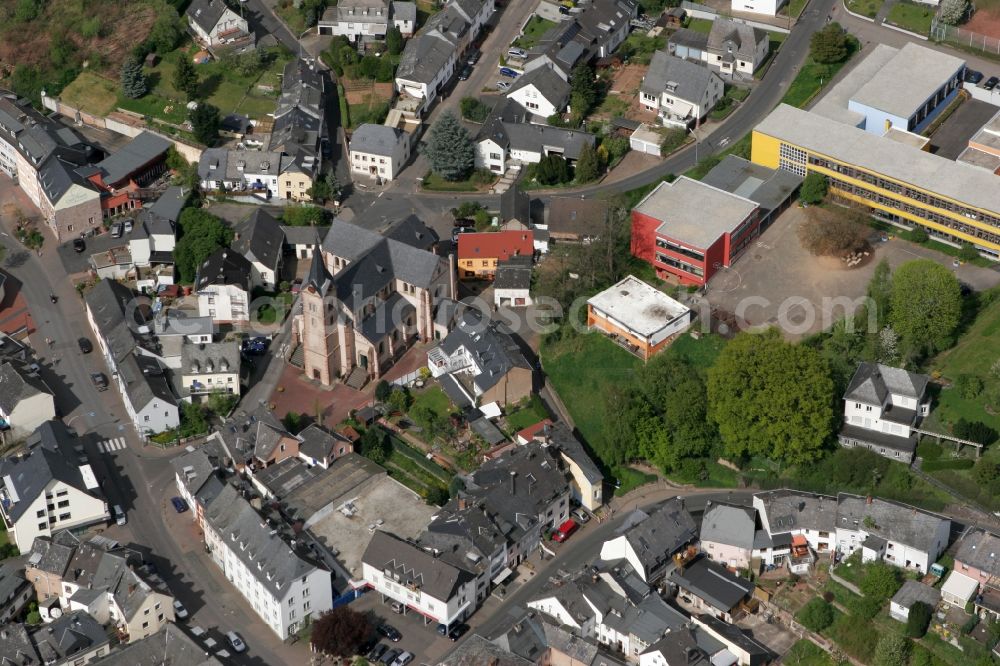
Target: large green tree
(583, 89)
(829, 45)
(891, 650)
(394, 41)
(205, 123)
(680, 430)
(450, 149)
(186, 78)
(201, 234)
(588, 166)
(813, 188)
(926, 305)
(340, 632)
(771, 398)
(134, 84)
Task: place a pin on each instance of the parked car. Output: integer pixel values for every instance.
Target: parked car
(127, 228)
(403, 659)
(99, 381)
(565, 530)
(235, 642)
(581, 516)
(465, 73)
(991, 83)
(972, 76)
(516, 52)
(180, 506)
(397, 607)
(458, 631)
(377, 652)
(389, 632)
(119, 513)
(502, 85)
(508, 72)
(473, 57)
(460, 230)
(85, 345)
(180, 612)
(79, 245)
(116, 230)
(389, 657)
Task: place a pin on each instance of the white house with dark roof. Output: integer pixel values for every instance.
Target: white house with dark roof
(363, 20)
(404, 17)
(680, 91)
(210, 368)
(261, 241)
(648, 541)
(910, 593)
(882, 407)
(320, 448)
(25, 399)
(786, 514)
(727, 534)
(49, 487)
(214, 24)
(440, 592)
(736, 48)
(541, 92)
(712, 588)
(899, 534)
(378, 151)
(508, 136)
(284, 587)
(223, 286)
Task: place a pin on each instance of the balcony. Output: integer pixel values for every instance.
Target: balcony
(622, 342)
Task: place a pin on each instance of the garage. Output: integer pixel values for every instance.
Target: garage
(645, 140)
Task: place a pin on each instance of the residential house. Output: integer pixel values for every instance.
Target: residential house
(479, 254)
(508, 136)
(740, 644)
(15, 591)
(172, 646)
(476, 649)
(257, 439)
(283, 585)
(198, 475)
(679, 91)
(404, 17)
(977, 557)
(712, 588)
(479, 362)
(378, 151)
(736, 49)
(210, 368)
(638, 317)
(538, 640)
(398, 570)
(882, 408)
(47, 563)
(301, 241)
(586, 480)
(260, 239)
(120, 176)
(320, 448)
(910, 593)
(118, 319)
(608, 22)
(216, 26)
(299, 128)
(26, 401)
(727, 534)
(649, 541)
(223, 286)
(899, 534)
(46, 488)
(153, 238)
(384, 292)
(560, 49)
(358, 20)
(540, 92)
(789, 515)
(572, 219)
(73, 638)
(244, 171)
(677, 648)
(515, 209)
(512, 284)
(43, 157)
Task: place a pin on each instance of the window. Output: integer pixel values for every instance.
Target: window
(146, 418)
(63, 504)
(62, 493)
(145, 625)
(211, 300)
(40, 513)
(305, 606)
(41, 528)
(63, 516)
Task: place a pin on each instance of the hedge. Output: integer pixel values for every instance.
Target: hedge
(953, 463)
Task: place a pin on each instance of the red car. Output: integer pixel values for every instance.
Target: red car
(565, 531)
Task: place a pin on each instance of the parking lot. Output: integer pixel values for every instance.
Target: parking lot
(952, 137)
(417, 637)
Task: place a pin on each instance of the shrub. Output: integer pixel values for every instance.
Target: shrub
(950, 463)
(880, 581)
(969, 386)
(474, 110)
(975, 431)
(813, 189)
(929, 451)
(918, 619)
(917, 235)
(816, 615)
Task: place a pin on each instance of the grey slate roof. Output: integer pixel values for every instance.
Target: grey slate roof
(890, 520)
(240, 525)
(108, 302)
(68, 635)
(550, 85)
(168, 647)
(17, 383)
(729, 524)
(786, 510)
(404, 11)
(424, 55)
(508, 127)
(980, 549)
(914, 591)
(476, 651)
(11, 580)
(252, 433)
(656, 536)
(515, 204)
(134, 155)
(713, 583)
(576, 217)
(224, 267)
(872, 382)
(689, 38)
(562, 438)
(195, 467)
(50, 457)
(684, 79)
(463, 532)
(680, 647)
(303, 235)
(145, 380)
(740, 39)
(53, 554)
(491, 434)
(210, 357)
(377, 139)
(412, 231)
(16, 648)
(489, 343)
(259, 238)
(759, 653)
(414, 565)
(319, 444)
(514, 273)
(206, 13)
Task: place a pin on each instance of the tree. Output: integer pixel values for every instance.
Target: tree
(134, 83)
(292, 422)
(813, 188)
(953, 11)
(399, 400)
(588, 167)
(552, 170)
(186, 78)
(583, 89)
(394, 41)
(816, 615)
(829, 45)
(340, 632)
(880, 580)
(437, 495)
(926, 305)
(832, 233)
(201, 234)
(375, 444)
(368, 67)
(474, 110)
(771, 398)
(333, 183)
(166, 32)
(450, 149)
(975, 431)
(194, 420)
(205, 123)
(918, 619)
(320, 190)
(383, 390)
(880, 292)
(968, 252)
(891, 650)
(917, 235)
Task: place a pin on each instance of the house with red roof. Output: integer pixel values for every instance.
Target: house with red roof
(479, 253)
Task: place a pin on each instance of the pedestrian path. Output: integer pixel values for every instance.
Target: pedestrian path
(109, 445)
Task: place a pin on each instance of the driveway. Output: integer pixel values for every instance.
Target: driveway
(952, 137)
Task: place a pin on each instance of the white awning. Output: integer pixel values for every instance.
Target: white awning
(491, 411)
(502, 576)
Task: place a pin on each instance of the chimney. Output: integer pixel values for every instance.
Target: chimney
(513, 475)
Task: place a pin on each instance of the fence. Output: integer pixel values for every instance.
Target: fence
(408, 378)
(941, 32)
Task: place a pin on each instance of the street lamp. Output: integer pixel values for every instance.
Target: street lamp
(694, 133)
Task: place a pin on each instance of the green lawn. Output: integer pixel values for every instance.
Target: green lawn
(700, 25)
(630, 479)
(529, 414)
(411, 468)
(911, 16)
(795, 7)
(699, 353)
(533, 30)
(436, 183)
(581, 369)
(811, 79)
(713, 476)
(432, 398)
(639, 48)
(807, 653)
(373, 110)
(867, 8)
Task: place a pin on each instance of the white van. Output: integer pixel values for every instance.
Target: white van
(120, 518)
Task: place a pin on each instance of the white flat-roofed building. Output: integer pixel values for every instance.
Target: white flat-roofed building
(635, 314)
